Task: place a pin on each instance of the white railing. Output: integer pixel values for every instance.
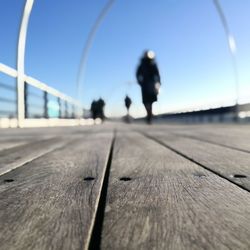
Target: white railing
(21, 116)
(68, 111)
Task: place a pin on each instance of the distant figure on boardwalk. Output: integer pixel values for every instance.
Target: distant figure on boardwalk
(100, 108)
(128, 102)
(148, 77)
(97, 109)
(94, 109)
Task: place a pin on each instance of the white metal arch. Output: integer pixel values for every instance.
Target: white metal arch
(81, 69)
(20, 60)
(231, 46)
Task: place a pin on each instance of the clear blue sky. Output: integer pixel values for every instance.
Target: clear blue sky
(187, 37)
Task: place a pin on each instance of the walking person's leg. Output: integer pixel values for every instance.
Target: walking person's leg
(148, 107)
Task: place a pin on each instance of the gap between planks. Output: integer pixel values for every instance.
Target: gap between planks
(192, 160)
(95, 240)
(59, 176)
(170, 202)
(210, 141)
(18, 156)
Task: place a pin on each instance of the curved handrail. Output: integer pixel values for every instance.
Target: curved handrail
(21, 58)
(231, 46)
(88, 44)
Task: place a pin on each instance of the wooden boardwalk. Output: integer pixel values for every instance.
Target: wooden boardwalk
(116, 186)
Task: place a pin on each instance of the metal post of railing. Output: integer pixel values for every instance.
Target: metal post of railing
(79, 112)
(17, 110)
(59, 107)
(73, 111)
(26, 114)
(82, 113)
(236, 112)
(66, 109)
(45, 98)
(221, 117)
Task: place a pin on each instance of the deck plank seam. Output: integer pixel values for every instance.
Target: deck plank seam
(210, 142)
(37, 157)
(192, 160)
(95, 235)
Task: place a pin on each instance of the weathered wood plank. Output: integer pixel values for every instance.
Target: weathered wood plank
(47, 131)
(49, 205)
(11, 144)
(232, 136)
(228, 138)
(170, 202)
(10, 138)
(17, 156)
(232, 164)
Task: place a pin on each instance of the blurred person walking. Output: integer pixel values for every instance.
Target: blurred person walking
(148, 78)
(100, 108)
(97, 109)
(93, 109)
(128, 103)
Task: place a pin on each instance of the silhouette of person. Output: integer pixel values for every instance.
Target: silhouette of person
(94, 109)
(128, 102)
(148, 77)
(100, 108)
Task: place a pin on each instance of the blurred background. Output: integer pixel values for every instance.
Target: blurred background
(91, 49)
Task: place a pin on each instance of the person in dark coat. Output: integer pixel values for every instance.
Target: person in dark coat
(148, 77)
(93, 109)
(128, 102)
(100, 108)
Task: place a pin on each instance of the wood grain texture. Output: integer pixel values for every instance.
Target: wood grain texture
(233, 136)
(11, 144)
(170, 202)
(235, 141)
(224, 161)
(34, 132)
(49, 205)
(17, 156)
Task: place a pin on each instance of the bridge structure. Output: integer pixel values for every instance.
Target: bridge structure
(39, 99)
(65, 109)
(56, 108)
(116, 185)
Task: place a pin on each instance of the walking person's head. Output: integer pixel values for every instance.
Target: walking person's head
(149, 54)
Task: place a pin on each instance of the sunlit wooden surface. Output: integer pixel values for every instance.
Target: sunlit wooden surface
(125, 186)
